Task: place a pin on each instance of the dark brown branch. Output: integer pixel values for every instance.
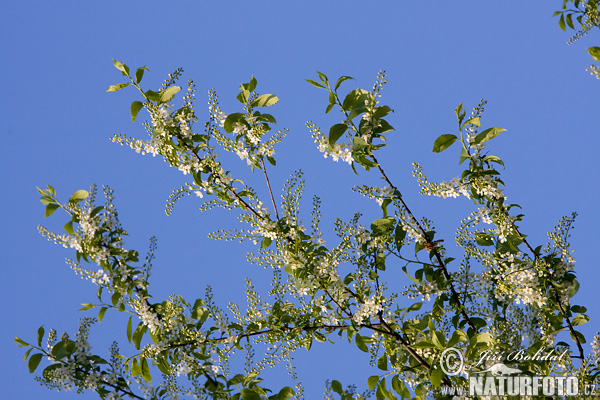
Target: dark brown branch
(556, 296)
(262, 163)
(428, 241)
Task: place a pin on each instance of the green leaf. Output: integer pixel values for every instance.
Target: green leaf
(285, 393)
(317, 84)
(50, 208)
(61, 350)
(27, 354)
(138, 334)
(382, 363)
(248, 394)
(594, 52)
(121, 67)
(231, 120)
(337, 387)
(458, 110)
(354, 98)
(487, 135)
(579, 336)
(252, 84)
(495, 159)
(101, 313)
(358, 143)
(135, 368)
(168, 94)
(400, 387)
(336, 132)
(21, 342)
(41, 331)
(118, 86)
(265, 100)
(578, 309)
(570, 21)
(443, 142)
(146, 371)
(342, 79)
(561, 22)
(139, 73)
(473, 121)
(483, 239)
(382, 226)
(580, 319)
(436, 376)
(136, 106)
(399, 235)
(129, 330)
(78, 196)
(152, 95)
(69, 228)
(383, 392)
(34, 361)
(323, 77)
(360, 343)
(372, 382)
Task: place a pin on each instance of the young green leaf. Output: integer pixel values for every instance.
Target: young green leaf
(360, 343)
(337, 387)
(152, 95)
(443, 142)
(78, 196)
(136, 106)
(317, 84)
(20, 342)
(336, 132)
(265, 100)
(50, 208)
(382, 226)
(145, 370)
(487, 135)
(594, 52)
(34, 361)
(118, 86)
(139, 73)
(121, 67)
(40, 335)
(168, 94)
(342, 79)
(372, 382)
(400, 387)
(580, 319)
(436, 376)
(69, 228)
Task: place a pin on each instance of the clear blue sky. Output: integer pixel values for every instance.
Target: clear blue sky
(57, 118)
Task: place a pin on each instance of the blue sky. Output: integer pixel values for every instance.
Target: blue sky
(58, 118)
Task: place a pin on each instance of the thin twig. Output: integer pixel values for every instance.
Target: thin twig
(437, 255)
(262, 163)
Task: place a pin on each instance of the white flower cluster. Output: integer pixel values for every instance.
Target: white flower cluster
(148, 316)
(427, 289)
(484, 215)
(65, 376)
(455, 188)
(372, 123)
(486, 186)
(339, 151)
(266, 230)
(595, 354)
(520, 283)
(367, 310)
(380, 194)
